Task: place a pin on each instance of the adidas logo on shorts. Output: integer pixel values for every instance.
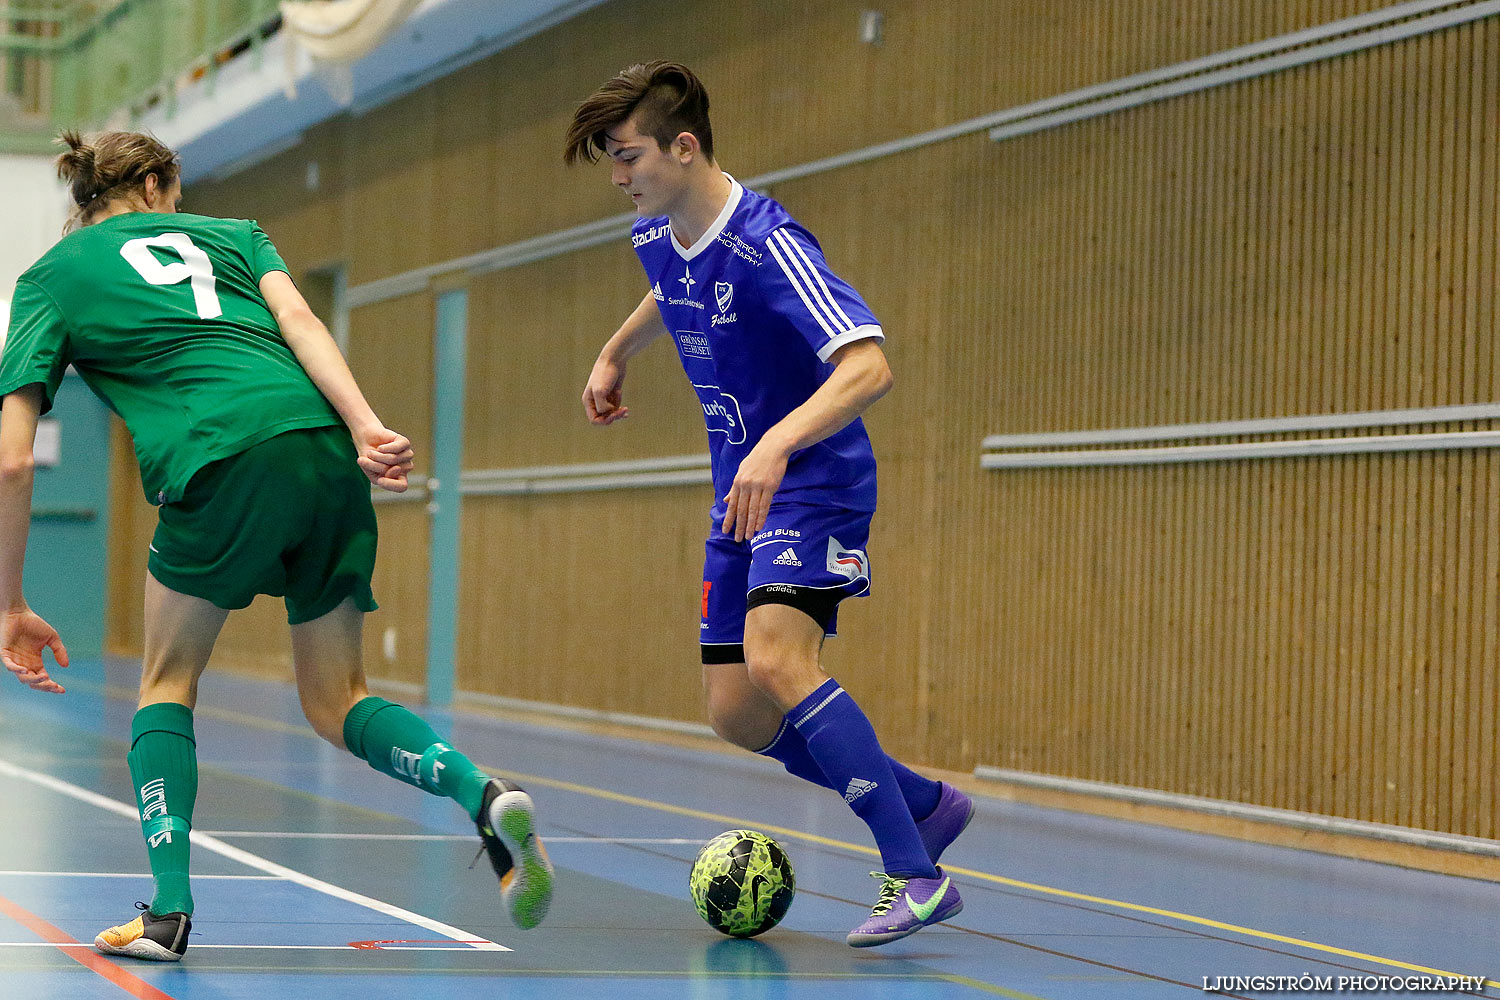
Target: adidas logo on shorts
(858, 787)
(787, 558)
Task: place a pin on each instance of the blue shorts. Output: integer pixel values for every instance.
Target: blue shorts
(802, 550)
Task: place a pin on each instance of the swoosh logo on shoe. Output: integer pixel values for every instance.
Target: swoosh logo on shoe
(924, 911)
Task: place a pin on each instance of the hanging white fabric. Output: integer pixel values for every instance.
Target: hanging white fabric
(337, 34)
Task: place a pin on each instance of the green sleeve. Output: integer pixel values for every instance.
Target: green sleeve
(36, 348)
(263, 255)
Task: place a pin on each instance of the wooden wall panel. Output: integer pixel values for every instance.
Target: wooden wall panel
(585, 599)
(1302, 633)
(471, 161)
(131, 522)
(1315, 634)
(534, 334)
(400, 586)
(1283, 621)
(390, 353)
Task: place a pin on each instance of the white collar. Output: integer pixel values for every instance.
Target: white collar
(712, 233)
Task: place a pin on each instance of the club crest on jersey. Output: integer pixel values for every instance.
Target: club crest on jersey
(723, 296)
(850, 564)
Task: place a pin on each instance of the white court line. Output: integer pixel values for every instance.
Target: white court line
(624, 840)
(301, 835)
(269, 948)
(211, 843)
(243, 878)
(307, 835)
(254, 947)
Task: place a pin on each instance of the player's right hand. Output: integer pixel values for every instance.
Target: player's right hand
(601, 397)
(23, 636)
(385, 457)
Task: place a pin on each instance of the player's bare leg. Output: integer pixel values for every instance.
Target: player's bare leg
(327, 658)
(743, 714)
(180, 632)
(328, 663)
(781, 655)
(738, 711)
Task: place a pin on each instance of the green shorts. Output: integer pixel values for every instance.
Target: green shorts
(289, 517)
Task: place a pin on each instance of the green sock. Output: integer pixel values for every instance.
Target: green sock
(163, 763)
(394, 741)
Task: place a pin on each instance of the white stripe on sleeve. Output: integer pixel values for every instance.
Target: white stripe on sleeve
(818, 277)
(793, 269)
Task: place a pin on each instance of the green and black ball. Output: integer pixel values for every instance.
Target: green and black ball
(742, 883)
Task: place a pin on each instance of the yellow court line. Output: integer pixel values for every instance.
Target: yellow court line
(511, 972)
(1187, 918)
(734, 821)
(999, 991)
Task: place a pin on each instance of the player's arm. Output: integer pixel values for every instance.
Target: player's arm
(601, 396)
(384, 455)
(23, 633)
(860, 376)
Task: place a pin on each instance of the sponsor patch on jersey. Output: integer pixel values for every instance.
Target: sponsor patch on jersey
(654, 233)
(721, 412)
(740, 247)
(775, 535)
(850, 564)
(694, 345)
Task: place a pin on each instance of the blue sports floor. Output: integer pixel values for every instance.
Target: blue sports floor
(317, 877)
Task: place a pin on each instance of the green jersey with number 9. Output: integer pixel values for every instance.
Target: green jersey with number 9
(163, 317)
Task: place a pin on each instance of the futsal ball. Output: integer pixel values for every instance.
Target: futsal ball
(742, 883)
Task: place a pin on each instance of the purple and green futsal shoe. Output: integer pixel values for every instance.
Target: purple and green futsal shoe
(952, 815)
(905, 906)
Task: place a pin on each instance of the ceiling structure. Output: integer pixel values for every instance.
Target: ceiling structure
(225, 81)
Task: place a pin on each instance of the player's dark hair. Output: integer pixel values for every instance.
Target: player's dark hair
(670, 98)
(111, 165)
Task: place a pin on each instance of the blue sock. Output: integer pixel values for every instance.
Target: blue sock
(842, 742)
(788, 747)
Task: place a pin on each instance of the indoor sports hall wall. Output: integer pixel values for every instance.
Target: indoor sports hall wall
(1313, 633)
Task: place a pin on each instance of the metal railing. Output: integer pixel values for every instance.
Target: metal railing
(1093, 448)
(79, 65)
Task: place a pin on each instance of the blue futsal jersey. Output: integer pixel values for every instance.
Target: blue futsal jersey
(756, 313)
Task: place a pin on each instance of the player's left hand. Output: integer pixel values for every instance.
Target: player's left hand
(755, 484)
(386, 457)
(23, 636)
